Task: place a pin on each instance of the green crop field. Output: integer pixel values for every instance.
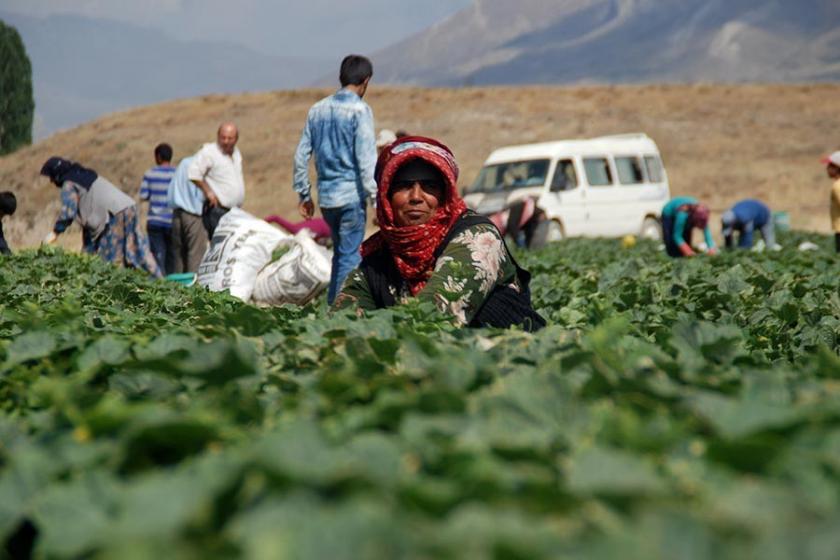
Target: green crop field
(671, 409)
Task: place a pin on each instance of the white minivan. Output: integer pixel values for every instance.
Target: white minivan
(602, 187)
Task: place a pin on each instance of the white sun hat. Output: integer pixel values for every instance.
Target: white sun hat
(833, 158)
(385, 138)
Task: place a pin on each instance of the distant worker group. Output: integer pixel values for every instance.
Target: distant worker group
(681, 215)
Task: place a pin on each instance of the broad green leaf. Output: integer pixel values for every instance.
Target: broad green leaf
(612, 472)
(29, 346)
(739, 418)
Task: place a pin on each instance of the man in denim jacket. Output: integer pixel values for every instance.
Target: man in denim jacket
(339, 131)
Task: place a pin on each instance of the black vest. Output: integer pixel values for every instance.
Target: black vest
(503, 308)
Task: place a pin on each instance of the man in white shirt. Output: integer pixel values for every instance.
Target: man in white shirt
(217, 170)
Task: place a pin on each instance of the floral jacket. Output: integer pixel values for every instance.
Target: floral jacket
(471, 266)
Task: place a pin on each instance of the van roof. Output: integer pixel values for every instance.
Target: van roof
(602, 145)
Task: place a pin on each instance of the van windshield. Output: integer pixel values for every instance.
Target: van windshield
(510, 176)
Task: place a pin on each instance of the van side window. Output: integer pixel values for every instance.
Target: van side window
(629, 170)
(486, 181)
(565, 177)
(654, 169)
(524, 174)
(510, 176)
(598, 172)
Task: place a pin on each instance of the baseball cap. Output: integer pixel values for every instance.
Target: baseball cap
(727, 221)
(833, 158)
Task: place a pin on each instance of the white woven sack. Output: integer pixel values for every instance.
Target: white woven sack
(240, 248)
(296, 277)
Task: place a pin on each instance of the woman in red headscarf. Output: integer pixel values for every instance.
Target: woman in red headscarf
(429, 246)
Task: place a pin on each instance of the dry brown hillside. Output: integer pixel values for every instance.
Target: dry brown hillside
(720, 143)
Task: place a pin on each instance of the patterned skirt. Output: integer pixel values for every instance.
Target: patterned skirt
(125, 244)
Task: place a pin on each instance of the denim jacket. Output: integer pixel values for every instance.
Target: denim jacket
(339, 130)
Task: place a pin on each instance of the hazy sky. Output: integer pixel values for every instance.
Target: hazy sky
(321, 28)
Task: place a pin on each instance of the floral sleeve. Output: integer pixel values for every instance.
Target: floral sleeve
(69, 207)
(471, 266)
(355, 294)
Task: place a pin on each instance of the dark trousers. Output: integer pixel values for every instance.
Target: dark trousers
(160, 240)
(189, 241)
(210, 216)
(837, 242)
(668, 237)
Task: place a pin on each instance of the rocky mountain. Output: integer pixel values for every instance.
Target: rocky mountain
(611, 41)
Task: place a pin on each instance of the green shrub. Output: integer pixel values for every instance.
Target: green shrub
(16, 103)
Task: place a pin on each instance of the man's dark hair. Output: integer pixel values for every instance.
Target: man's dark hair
(355, 69)
(8, 203)
(163, 152)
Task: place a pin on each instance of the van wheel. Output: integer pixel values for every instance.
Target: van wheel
(651, 229)
(547, 231)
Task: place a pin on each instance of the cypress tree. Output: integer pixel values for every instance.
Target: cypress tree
(17, 106)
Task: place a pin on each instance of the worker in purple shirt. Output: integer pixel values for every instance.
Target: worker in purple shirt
(746, 217)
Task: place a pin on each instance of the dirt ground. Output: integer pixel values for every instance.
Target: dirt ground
(720, 143)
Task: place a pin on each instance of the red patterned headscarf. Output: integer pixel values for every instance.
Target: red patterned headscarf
(413, 247)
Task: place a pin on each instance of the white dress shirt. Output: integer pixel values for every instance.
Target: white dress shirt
(221, 172)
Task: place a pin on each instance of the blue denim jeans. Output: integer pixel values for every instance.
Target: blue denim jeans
(347, 226)
(159, 240)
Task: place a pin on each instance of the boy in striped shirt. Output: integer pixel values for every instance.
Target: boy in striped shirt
(155, 189)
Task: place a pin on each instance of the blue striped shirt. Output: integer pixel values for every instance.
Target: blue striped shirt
(155, 189)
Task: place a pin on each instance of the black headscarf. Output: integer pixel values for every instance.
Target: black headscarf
(60, 170)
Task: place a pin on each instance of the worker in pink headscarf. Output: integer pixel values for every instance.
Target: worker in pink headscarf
(679, 218)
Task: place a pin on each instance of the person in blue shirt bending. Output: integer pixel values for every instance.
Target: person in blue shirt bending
(679, 218)
(746, 217)
(339, 131)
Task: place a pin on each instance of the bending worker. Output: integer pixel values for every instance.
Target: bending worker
(431, 248)
(107, 215)
(679, 218)
(746, 217)
(8, 205)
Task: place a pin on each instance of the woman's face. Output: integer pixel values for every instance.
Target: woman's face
(415, 201)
